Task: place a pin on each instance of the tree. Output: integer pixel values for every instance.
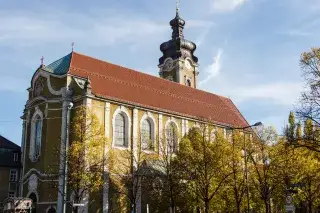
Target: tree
(263, 165)
(171, 187)
(309, 109)
(85, 156)
(205, 165)
(236, 185)
(130, 172)
(308, 177)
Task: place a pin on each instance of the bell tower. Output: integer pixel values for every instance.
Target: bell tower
(178, 62)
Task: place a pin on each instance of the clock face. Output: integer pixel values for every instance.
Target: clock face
(187, 64)
(170, 78)
(168, 65)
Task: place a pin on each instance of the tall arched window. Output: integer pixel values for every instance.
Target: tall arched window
(172, 137)
(36, 135)
(146, 135)
(120, 131)
(38, 131)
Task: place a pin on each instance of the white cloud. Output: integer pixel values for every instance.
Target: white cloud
(226, 5)
(30, 29)
(213, 69)
(280, 93)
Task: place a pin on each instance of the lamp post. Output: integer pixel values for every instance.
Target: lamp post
(245, 157)
(68, 106)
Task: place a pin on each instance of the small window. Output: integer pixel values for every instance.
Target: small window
(13, 175)
(11, 194)
(15, 157)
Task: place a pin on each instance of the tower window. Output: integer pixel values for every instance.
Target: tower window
(188, 83)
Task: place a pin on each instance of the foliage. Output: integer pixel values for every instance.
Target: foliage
(86, 154)
(128, 170)
(205, 165)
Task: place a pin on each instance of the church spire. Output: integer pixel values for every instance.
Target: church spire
(178, 62)
(177, 24)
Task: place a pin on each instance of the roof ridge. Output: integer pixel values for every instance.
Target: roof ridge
(4, 139)
(148, 88)
(147, 74)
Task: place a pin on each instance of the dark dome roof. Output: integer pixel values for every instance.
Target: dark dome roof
(177, 21)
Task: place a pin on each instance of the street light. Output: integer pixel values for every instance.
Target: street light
(245, 157)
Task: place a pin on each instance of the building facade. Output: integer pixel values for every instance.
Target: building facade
(10, 169)
(128, 104)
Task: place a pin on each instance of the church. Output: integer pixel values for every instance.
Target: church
(127, 102)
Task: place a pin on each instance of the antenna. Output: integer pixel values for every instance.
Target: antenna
(72, 45)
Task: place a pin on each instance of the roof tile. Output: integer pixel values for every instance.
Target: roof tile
(120, 83)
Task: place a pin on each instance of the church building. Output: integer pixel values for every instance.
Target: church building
(126, 102)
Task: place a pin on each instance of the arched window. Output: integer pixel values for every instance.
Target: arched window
(51, 209)
(146, 135)
(172, 137)
(36, 135)
(120, 131)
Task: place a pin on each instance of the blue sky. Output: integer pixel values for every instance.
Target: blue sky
(248, 49)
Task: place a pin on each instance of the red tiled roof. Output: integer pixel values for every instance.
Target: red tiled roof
(123, 84)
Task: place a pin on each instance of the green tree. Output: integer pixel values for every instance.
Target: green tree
(205, 165)
(308, 177)
(236, 185)
(129, 172)
(263, 177)
(86, 159)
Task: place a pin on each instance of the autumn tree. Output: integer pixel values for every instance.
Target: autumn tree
(308, 177)
(170, 187)
(85, 156)
(262, 169)
(204, 165)
(131, 171)
(309, 106)
(236, 184)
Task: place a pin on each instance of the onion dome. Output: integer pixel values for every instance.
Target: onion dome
(177, 46)
(177, 25)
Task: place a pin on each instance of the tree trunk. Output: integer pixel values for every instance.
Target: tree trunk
(266, 204)
(309, 206)
(134, 208)
(206, 206)
(238, 207)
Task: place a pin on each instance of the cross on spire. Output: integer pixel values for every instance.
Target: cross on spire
(177, 6)
(41, 59)
(72, 45)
